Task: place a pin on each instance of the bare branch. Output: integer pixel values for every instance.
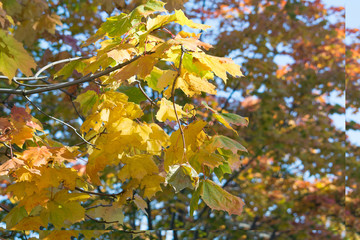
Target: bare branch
(25, 78)
(99, 221)
(28, 85)
(144, 93)
(98, 193)
(58, 120)
(173, 100)
(99, 205)
(4, 208)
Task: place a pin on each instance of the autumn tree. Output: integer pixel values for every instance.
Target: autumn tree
(134, 89)
(132, 145)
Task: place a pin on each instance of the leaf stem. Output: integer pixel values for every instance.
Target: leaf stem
(173, 100)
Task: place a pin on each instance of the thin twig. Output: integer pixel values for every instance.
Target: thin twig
(99, 221)
(98, 193)
(58, 120)
(144, 93)
(173, 100)
(28, 85)
(4, 208)
(71, 98)
(99, 205)
(77, 112)
(230, 96)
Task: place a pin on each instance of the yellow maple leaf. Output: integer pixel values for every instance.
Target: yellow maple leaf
(166, 111)
(138, 167)
(151, 185)
(220, 66)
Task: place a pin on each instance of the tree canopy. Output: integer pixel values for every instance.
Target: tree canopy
(133, 118)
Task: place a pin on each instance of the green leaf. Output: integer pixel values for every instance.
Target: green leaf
(152, 79)
(235, 119)
(220, 141)
(87, 100)
(14, 216)
(135, 95)
(194, 202)
(219, 199)
(182, 176)
(151, 6)
(69, 68)
(228, 118)
(222, 170)
(13, 56)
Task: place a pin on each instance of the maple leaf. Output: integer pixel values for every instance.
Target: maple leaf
(220, 66)
(166, 111)
(35, 156)
(15, 216)
(138, 167)
(182, 176)
(228, 118)
(11, 164)
(220, 141)
(218, 199)
(151, 185)
(13, 56)
(29, 223)
(140, 203)
(108, 214)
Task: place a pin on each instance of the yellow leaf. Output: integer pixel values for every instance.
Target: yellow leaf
(109, 214)
(29, 223)
(137, 167)
(194, 137)
(59, 234)
(183, 20)
(166, 79)
(151, 185)
(166, 111)
(140, 203)
(220, 66)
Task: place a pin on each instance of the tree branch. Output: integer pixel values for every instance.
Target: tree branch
(99, 205)
(99, 221)
(4, 208)
(144, 93)
(149, 217)
(86, 78)
(230, 96)
(173, 100)
(99, 194)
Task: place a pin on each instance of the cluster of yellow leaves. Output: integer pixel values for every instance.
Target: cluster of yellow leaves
(121, 138)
